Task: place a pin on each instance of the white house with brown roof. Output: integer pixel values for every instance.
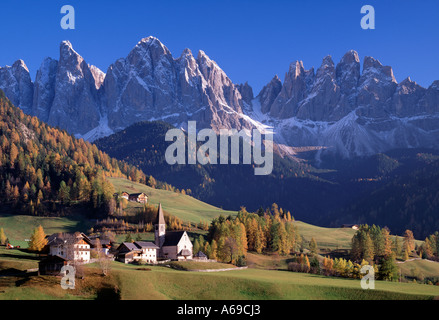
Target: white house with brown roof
(72, 247)
(138, 197)
(129, 252)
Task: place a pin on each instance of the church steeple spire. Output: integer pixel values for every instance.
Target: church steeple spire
(160, 216)
(160, 227)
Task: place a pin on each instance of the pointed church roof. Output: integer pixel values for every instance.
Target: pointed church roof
(173, 238)
(160, 216)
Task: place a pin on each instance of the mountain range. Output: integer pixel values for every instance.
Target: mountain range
(338, 108)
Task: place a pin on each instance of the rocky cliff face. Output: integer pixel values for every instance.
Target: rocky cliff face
(151, 84)
(348, 111)
(339, 107)
(44, 89)
(76, 96)
(65, 92)
(15, 81)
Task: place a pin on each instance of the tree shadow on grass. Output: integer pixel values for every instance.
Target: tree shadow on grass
(22, 281)
(19, 256)
(108, 293)
(11, 272)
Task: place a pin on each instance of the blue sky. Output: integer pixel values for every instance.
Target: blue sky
(251, 40)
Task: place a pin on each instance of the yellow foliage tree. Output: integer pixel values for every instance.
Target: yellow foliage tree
(38, 239)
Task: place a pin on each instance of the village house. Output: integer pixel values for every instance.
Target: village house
(138, 197)
(64, 249)
(72, 247)
(129, 252)
(134, 197)
(105, 245)
(173, 245)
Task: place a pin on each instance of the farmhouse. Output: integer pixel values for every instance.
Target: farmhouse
(135, 197)
(138, 197)
(173, 245)
(105, 245)
(137, 251)
(71, 247)
(51, 265)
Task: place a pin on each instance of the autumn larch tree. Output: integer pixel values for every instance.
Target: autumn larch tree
(38, 240)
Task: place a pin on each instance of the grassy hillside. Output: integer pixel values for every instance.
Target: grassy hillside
(332, 238)
(268, 261)
(17, 260)
(20, 227)
(182, 206)
(420, 268)
(128, 282)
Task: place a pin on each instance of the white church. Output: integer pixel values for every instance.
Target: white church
(174, 245)
(167, 246)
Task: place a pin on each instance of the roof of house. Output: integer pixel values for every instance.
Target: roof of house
(138, 245)
(173, 238)
(60, 238)
(160, 215)
(104, 242)
(137, 194)
(129, 245)
(53, 259)
(145, 244)
(200, 254)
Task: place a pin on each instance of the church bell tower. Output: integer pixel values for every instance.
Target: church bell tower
(160, 227)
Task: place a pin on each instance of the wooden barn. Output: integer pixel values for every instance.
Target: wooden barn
(51, 265)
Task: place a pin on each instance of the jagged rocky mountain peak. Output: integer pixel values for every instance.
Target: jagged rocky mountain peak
(296, 69)
(186, 52)
(269, 93)
(327, 68)
(370, 62)
(350, 58)
(67, 51)
(348, 72)
(338, 106)
(327, 60)
(372, 66)
(246, 92)
(20, 64)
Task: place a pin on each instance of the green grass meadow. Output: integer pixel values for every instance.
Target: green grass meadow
(129, 282)
(182, 206)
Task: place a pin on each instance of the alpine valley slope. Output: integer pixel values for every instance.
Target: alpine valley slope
(338, 107)
(397, 189)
